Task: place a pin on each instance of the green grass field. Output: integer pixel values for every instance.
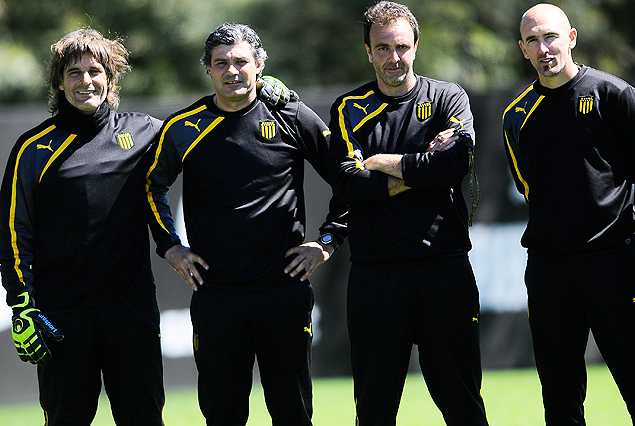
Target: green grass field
(512, 398)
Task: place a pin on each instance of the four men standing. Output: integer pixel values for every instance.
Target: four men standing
(400, 149)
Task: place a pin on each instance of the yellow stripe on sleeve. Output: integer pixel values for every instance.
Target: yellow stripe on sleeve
(509, 147)
(209, 128)
(14, 198)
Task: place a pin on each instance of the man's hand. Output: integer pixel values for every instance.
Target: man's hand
(309, 256)
(274, 91)
(28, 324)
(182, 260)
(396, 186)
(444, 140)
(389, 164)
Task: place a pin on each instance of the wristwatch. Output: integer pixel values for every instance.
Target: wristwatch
(328, 239)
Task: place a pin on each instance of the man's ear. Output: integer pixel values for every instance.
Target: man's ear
(370, 56)
(573, 38)
(522, 47)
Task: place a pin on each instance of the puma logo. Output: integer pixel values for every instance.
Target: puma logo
(40, 146)
(356, 105)
(190, 124)
(475, 319)
(309, 329)
(522, 109)
(457, 121)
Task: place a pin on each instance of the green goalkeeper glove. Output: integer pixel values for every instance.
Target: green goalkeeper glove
(274, 91)
(28, 325)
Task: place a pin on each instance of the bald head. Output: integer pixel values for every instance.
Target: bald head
(544, 12)
(546, 39)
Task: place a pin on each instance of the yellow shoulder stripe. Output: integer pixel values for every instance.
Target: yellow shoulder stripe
(57, 153)
(520, 177)
(516, 129)
(160, 148)
(342, 124)
(12, 208)
(202, 135)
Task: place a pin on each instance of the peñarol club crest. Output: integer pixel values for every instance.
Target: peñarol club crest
(424, 110)
(268, 129)
(586, 105)
(125, 140)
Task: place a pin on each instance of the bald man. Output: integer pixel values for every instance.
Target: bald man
(569, 142)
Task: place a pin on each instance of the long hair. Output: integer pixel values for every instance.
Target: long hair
(111, 54)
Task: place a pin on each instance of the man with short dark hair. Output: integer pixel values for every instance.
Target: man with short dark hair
(569, 142)
(74, 241)
(411, 281)
(243, 167)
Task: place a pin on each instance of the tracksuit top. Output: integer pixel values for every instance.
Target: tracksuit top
(431, 219)
(570, 150)
(74, 220)
(243, 196)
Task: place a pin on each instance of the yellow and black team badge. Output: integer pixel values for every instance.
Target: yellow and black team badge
(586, 105)
(268, 129)
(125, 140)
(424, 111)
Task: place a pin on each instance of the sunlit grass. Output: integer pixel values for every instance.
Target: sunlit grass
(512, 398)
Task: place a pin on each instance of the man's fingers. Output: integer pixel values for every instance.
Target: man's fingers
(198, 259)
(298, 264)
(195, 275)
(308, 257)
(183, 261)
(448, 145)
(190, 281)
(190, 275)
(295, 261)
(306, 267)
(440, 143)
(309, 271)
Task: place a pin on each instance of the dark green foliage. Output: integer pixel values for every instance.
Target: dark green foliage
(310, 42)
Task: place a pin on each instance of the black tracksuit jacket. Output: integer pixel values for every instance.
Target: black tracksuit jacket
(243, 196)
(73, 215)
(431, 219)
(570, 150)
